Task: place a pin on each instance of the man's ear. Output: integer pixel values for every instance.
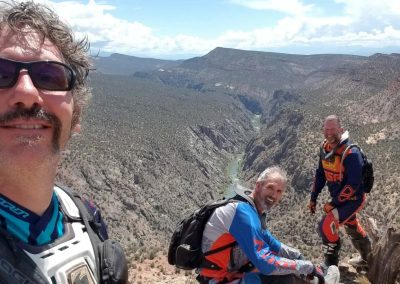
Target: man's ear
(76, 129)
(76, 120)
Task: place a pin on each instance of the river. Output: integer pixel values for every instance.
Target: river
(234, 166)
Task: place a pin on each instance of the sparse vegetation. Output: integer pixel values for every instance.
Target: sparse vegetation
(155, 146)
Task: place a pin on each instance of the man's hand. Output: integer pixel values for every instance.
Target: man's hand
(317, 272)
(328, 207)
(312, 206)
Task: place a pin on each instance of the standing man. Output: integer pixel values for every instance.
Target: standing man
(251, 253)
(344, 181)
(46, 235)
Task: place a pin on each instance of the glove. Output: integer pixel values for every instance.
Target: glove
(317, 272)
(312, 206)
(328, 207)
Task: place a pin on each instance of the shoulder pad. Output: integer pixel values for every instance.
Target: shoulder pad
(67, 203)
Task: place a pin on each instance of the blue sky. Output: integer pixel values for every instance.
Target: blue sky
(179, 29)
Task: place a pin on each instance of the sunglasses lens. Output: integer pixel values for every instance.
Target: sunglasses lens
(51, 76)
(8, 71)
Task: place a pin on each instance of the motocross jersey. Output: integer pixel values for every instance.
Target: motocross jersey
(344, 179)
(240, 222)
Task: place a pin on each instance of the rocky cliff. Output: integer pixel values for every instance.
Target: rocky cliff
(149, 152)
(156, 145)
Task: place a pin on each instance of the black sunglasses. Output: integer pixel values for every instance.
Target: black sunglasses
(46, 75)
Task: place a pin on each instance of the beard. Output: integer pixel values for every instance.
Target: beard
(40, 114)
(333, 139)
(262, 205)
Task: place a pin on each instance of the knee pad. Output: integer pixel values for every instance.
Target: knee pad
(329, 228)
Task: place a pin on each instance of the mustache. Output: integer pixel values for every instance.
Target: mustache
(32, 113)
(36, 112)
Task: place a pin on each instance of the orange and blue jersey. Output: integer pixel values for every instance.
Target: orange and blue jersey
(344, 181)
(240, 222)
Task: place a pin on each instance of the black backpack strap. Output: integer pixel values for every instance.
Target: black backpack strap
(91, 226)
(88, 213)
(220, 248)
(202, 279)
(246, 268)
(211, 265)
(111, 262)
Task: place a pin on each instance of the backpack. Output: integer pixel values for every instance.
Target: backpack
(367, 168)
(185, 246)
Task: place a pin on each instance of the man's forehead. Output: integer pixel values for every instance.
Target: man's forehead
(274, 178)
(331, 123)
(28, 42)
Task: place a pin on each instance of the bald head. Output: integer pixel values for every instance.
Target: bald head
(332, 130)
(333, 118)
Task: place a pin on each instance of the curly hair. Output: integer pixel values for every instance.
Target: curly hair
(40, 18)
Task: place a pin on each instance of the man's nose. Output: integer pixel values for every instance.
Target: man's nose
(24, 92)
(274, 194)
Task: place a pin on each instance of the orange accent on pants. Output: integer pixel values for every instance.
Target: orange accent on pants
(330, 228)
(329, 225)
(357, 224)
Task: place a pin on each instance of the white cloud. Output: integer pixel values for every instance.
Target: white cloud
(334, 31)
(362, 24)
(292, 7)
(356, 7)
(368, 15)
(110, 34)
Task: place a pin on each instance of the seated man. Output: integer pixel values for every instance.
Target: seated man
(257, 257)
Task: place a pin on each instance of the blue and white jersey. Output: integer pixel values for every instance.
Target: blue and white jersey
(240, 222)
